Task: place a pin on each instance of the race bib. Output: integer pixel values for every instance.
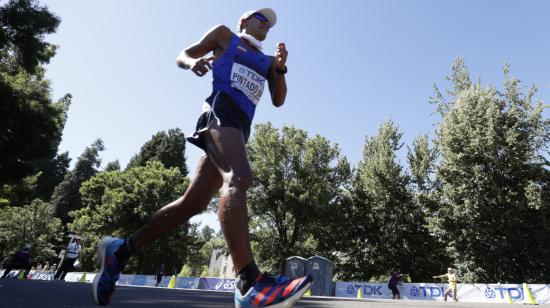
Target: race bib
(247, 81)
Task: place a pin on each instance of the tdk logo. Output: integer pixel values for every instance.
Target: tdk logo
(490, 293)
(427, 291)
(370, 290)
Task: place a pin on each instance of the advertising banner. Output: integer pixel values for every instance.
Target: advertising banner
(139, 280)
(187, 282)
(40, 275)
(218, 284)
(125, 279)
(73, 277)
(488, 293)
(12, 274)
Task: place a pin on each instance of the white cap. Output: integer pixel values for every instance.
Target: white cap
(267, 12)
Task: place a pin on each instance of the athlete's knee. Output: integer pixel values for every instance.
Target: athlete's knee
(240, 181)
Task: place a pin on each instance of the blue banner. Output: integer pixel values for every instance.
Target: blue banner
(187, 283)
(125, 279)
(139, 280)
(218, 284)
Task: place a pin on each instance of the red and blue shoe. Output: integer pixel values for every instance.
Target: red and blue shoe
(269, 291)
(104, 282)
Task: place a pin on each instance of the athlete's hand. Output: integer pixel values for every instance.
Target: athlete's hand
(280, 56)
(202, 66)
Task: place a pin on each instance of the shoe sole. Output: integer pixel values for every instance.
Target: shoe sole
(289, 301)
(101, 252)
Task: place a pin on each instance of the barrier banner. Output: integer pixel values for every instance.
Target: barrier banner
(187, 282)
(13, 273)
(139, 280)
(125, 279)
(164, 282)
(218, 284)
(40, 275)
(90, 277)
(151, 280)
(73, 276)
(488, 293)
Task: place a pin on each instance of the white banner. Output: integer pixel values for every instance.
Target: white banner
(488, 293)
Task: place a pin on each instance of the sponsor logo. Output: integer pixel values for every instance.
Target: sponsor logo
(427, 291)
(225, 284)
(247, 81)
(490, 293)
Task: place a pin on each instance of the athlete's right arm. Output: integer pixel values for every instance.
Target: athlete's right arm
(215, 40)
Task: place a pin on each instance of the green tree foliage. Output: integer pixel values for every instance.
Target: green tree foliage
(113, 166)
(66, 196)
(30, 122)
(33, 224)
(201, 247)
(204, 271)
(52, 172)
(421, 160)
(166, 147)
(297, 180)
(185, 271)
(118, 203)
(494, 179)
(39, 185)
(385, 227)
(23, 24)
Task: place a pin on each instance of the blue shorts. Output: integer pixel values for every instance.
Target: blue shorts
(219, 109)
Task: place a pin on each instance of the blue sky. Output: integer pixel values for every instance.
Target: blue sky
(352, 64)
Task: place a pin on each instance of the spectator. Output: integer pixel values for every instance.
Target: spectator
(39, 266)
(394, 281)
(451, 277)
(19, 260)
(159, 274)
(46, 267)
(73, 251)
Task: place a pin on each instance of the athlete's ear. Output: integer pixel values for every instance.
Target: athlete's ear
(244, 24)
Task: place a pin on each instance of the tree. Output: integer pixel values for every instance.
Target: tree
(297, 180)
(201, 248)
(23, 24)
(168, 148)
(113, 166)
(49, 174)
(33, 224)
(494, 180)
(66, 196)
(422, 163)
(30, 122)
(119, 202)
(385, 227)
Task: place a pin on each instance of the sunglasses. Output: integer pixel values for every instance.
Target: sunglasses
(260, 17)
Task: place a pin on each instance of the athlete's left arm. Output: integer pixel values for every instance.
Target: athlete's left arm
(277, 82)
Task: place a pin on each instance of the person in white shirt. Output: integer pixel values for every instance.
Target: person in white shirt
(73, 251)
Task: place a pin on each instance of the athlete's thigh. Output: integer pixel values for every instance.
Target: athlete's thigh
(207, 179)
(226, 147)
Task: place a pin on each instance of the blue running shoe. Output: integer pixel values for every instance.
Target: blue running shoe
(268, 291)
(104, 282)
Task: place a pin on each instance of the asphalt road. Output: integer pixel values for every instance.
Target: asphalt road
(49, 294)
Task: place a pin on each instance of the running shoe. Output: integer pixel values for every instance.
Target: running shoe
(104, 282)
(269, 291)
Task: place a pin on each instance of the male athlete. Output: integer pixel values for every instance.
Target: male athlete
(239, 70)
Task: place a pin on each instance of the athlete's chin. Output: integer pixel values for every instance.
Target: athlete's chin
(261, 36)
